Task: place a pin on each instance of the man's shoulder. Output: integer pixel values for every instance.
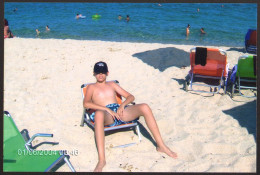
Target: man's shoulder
(111, 83)
(91, 86)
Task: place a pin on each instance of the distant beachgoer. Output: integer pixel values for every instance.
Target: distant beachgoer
(127, 18)
(188, 30)
(47, 28)
(198, 10)
(37, 32)
(78, 16)
(202, 31)
(7, 31)
(15, 9)
(159, 5)
(119, 17)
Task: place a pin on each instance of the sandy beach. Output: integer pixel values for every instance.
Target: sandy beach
(42, 80)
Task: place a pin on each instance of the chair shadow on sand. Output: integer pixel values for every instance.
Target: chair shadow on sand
(243, 50)
(245, 115)
(164, 58)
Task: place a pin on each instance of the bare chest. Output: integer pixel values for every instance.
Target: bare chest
(104, 95)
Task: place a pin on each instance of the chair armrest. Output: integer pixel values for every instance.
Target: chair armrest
(29, 142)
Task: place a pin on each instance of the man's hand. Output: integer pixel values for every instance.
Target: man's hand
(113, 114)
(120, 110)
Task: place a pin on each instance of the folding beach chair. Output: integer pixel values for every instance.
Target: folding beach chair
(87, 112)
(209, 68)
(244, 75)
(250, 41)
(19, 155)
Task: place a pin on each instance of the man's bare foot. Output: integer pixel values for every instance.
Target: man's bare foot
(166, 150)
(100, 166)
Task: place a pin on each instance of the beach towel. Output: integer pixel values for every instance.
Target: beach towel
(200, 56)
(233, 74)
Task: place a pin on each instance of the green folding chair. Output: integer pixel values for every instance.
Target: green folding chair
(19, 155)
(245, 75)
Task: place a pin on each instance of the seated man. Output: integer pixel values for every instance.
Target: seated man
(101, 96)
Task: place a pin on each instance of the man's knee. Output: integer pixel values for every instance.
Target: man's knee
(99, 116)
(145, 107)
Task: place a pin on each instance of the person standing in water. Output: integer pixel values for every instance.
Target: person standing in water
(188, 30)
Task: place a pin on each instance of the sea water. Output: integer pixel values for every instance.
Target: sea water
(225, 24)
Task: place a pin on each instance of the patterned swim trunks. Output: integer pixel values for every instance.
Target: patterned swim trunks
(113, 107)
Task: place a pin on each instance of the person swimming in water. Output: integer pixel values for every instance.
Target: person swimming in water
(78, 16)
(37, 32)
(202, 31)
(127, 18)
(47, 28)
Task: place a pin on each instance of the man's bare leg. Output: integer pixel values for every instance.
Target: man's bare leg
(100, 121)
(134, 111)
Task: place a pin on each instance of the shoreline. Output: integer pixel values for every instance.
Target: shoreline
(42, 79)
(217, 45)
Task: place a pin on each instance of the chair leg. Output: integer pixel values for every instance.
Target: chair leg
(232, 90)
(82, 118)
(139, 133)
(69, 164)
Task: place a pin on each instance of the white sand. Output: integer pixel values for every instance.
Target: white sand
(42, 79)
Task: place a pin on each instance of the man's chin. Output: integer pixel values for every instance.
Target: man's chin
(101, 81)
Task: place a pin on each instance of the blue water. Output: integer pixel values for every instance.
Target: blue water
(225, 26)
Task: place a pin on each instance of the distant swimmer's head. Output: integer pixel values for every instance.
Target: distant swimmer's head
(100, 67)
(188, 26)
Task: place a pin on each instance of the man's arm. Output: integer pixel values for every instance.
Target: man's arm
(128, 97)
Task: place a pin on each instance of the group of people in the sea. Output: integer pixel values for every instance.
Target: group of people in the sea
(202, 31)
(47, 29)
(127, 18)
(8, 33)
(78, 16)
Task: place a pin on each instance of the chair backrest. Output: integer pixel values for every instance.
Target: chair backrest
(11, 131)
(13, 140)
(251, 37)
(245, 67)
(216, 62)
(85, 86)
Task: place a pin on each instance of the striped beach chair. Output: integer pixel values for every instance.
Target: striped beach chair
(87, 112)
(250, 41)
